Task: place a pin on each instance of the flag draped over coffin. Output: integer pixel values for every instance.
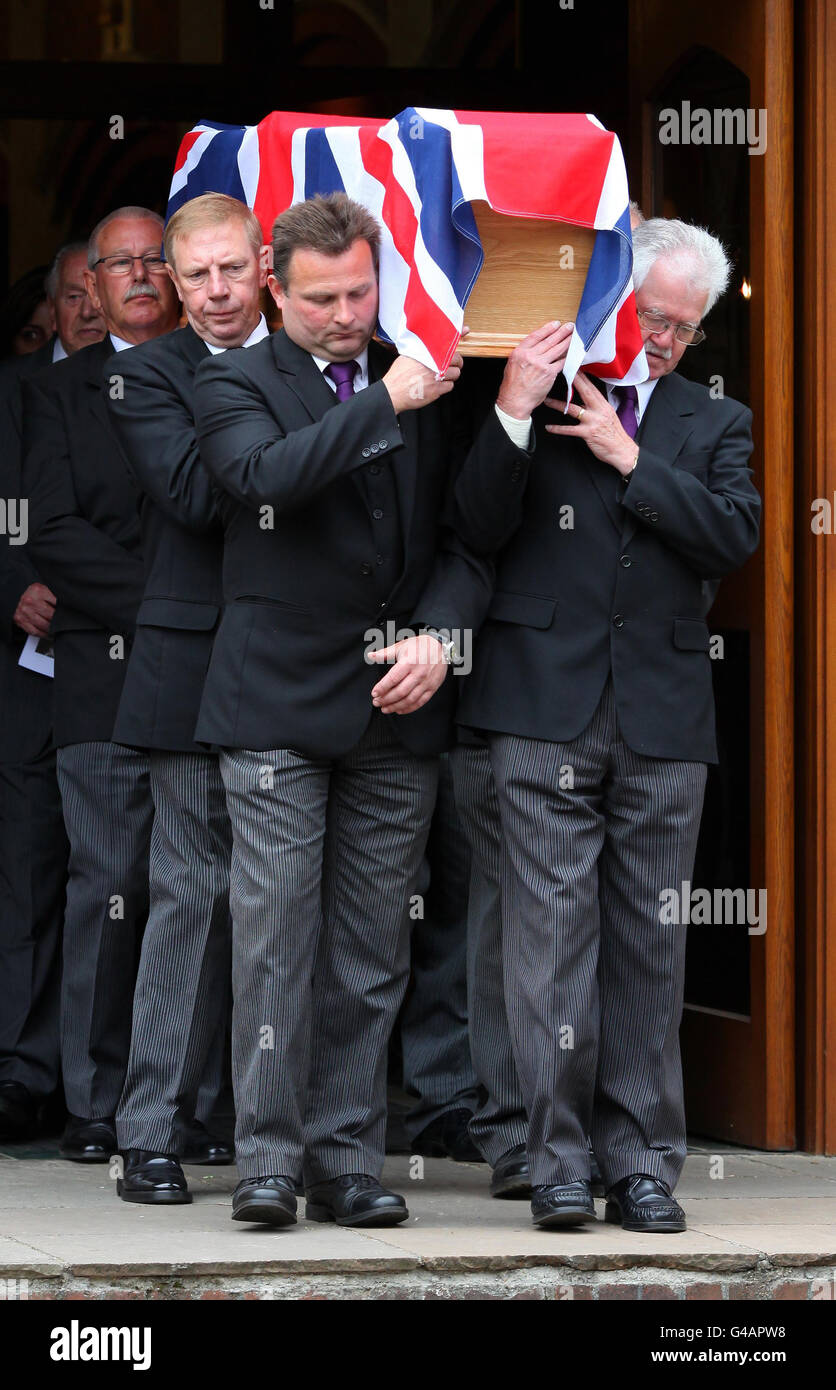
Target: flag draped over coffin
(419, 173)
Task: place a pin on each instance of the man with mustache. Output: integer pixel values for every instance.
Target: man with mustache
(592, 685)
(85, 543)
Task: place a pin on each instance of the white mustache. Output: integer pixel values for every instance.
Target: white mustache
(665, 353)
(141, 289)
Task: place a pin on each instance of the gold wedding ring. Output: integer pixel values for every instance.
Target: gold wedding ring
(581, 409)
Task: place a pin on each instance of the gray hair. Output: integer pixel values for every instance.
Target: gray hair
(141, 214)
(53, 275)
(702, 257)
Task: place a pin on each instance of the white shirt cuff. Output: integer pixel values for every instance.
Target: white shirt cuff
(518, 431)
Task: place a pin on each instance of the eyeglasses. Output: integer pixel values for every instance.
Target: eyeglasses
(123, 263)
(683, 332)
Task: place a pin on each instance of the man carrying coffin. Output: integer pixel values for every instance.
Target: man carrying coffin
(592, 680)
(214, 255)
(334, 461)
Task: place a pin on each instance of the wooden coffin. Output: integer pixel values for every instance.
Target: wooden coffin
(534, 271)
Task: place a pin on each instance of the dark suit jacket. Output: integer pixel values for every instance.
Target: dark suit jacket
(85, 538)
(25, 697)
(625, 590)
(182, 542)
(288, 668)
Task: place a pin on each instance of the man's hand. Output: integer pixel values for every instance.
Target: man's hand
(411, 385)
(419, 670)
(532, 367)
(598, 425)
(35, 609)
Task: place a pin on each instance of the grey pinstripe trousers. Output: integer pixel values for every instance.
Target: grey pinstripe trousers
(499, 1122)
(183, 984)
(107, 807)
(593, 979)
(437, 1066)
(324, 860)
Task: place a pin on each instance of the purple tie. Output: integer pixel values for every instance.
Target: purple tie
(628, 399)
(343, 374)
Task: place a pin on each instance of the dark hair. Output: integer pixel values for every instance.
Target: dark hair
(330, 225)
(20, 303)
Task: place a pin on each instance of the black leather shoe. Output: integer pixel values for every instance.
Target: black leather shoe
(203, 1147)
(641, 1203)
(88, 1141)
(447, 1137)
(562, 1204)
(511, 1176)
(18, 1112)
(355, 1199)
(270, 1200)
(154, 1178)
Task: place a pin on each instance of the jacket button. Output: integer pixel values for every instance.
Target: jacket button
(367, 453)
(374, 468)
(654, 516)
(515, 475)
(384, 444)
(625, 562)
(375, 448)
(365, 568)
(377, 514)
(618, 620)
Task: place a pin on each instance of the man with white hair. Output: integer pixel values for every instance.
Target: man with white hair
(592, 685)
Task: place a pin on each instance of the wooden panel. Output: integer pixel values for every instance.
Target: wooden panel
(534, 271)
(816, 419)
(740, 1074)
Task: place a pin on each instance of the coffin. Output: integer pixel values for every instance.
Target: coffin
(534, 271)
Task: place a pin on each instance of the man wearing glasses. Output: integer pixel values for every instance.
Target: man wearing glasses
(85, 544)
(592, 684)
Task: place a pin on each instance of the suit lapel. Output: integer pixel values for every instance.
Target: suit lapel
(94, 361)
(664, 430)
(605, 479)
(303, 376)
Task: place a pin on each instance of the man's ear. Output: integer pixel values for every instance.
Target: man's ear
(275, 289)
(174, 281)
(53, 322)
(265, 265)
(92, 289)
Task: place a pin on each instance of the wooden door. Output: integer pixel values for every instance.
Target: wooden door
(708, 55)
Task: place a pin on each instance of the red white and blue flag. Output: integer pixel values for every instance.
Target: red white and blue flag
(418, 174)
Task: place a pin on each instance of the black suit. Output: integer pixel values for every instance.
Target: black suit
(182, 542)
(182, 988)
(33, 846)
(592, 679)
(330, 801)
(302, 592)
(86, 545)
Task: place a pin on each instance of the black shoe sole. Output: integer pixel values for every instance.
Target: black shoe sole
(518, 1189)
(265, 1213)
(86, 1158)
(569, 1217)
(385, 1217)
(153, 1199)
(613, 1216)
(207, 1162)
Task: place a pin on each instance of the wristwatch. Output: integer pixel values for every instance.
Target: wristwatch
(449, 650)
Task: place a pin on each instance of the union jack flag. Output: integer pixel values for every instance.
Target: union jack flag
(418, 174)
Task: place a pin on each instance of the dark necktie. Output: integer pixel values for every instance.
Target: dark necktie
(627, 398)
(343, 374)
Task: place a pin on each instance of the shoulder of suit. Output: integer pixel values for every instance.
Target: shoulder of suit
(170, 350)
(699, 397)
(252, 361)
